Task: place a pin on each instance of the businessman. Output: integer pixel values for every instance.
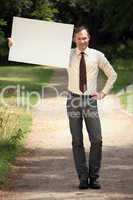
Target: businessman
(84, 66)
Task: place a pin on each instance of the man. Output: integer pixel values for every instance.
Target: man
(82, 99)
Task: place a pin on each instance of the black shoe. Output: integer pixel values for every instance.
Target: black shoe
(83, 184)
(94, 184)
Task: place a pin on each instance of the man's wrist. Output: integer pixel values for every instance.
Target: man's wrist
(103, 93)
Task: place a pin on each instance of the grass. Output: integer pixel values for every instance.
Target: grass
(124, 69)
(32, 77)
(127, 101)
(123, 99)
(26, 79)
(125, 77)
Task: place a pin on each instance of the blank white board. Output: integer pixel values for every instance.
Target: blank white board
(41, 42)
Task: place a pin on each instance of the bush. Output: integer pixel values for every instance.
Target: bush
(13, 127)
(9, 125)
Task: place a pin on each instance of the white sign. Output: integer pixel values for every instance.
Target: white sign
(41, 42)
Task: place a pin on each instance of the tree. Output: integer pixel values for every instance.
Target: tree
(43, 10)
(109, 21)
(117, 17)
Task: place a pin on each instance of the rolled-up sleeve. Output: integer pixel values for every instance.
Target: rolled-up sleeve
(107, 68)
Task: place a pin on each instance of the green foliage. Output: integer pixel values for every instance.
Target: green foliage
(117, 15)
(2, 23)
(118, 50)
(109, 21)
(2, 39)
(10, 8)
(124, 69)
(3, 48)
(44, 12)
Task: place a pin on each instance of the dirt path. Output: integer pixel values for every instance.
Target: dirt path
(46, 170)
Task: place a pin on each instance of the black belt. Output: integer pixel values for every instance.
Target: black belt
(80, 95)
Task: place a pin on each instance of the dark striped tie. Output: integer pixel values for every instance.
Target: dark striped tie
(82, 74)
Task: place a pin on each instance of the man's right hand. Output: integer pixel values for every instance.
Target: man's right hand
(10, 42)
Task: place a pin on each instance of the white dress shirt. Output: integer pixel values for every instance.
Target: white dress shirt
(95, 60)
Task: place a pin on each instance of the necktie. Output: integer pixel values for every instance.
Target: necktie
(82, 74)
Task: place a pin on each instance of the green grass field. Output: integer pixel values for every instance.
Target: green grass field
(32, 77)
(25, 78)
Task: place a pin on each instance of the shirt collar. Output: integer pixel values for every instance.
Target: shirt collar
(86, 51)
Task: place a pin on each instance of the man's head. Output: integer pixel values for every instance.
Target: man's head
(81, 37)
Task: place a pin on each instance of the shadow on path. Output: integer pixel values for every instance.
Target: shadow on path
(52, 171)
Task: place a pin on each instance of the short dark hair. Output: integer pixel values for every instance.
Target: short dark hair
(80, 28)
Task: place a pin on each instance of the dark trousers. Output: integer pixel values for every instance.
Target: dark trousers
(81, 107)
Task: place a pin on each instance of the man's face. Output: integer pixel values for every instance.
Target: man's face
(82, 40)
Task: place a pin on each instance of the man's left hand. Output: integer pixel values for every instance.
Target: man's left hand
(98, 95)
